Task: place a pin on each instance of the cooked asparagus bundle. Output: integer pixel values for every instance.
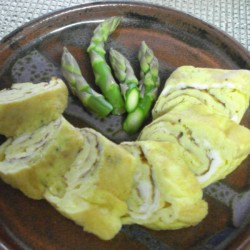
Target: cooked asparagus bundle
(103, 75)
(127, 79)
(149, 85)
(165, 193)
(225, 92)
(33, 162)
(80, 88)
(24, 107)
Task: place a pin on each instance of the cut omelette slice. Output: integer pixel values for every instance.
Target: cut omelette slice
(165, 194)
(214, 145)
(34, 162)
(24, 107)
(98, 184)
(225, 92)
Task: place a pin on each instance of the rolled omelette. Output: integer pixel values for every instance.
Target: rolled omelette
(165, 194)
(24, 107)
(33, 162)
(213, 145)
(225, 92)
(98, 185)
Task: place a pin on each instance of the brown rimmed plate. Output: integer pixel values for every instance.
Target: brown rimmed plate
(32, 53)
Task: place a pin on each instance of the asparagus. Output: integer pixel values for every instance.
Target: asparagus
(128, 81)
(149, 72)
(103, 76)
(80, 88)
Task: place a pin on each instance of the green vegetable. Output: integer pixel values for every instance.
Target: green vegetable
(80, 88)
(128, 81)
(103, 75)
(149, 86)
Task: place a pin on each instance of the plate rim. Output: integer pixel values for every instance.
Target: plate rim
(131, 3)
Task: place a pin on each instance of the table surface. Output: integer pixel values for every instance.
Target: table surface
(230, 16)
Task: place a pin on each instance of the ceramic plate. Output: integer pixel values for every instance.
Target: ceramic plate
(32, 53)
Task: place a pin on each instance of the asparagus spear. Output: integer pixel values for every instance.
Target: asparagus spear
(80, 88)
(103, 76)
(149, 86)
(128, 81)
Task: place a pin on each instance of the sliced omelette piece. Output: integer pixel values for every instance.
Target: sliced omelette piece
(214, 146)
(33, 162)
(24, 107)
(98, 185)
(165, 194)
(224, 92)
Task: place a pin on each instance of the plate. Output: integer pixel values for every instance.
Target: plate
(32, 53)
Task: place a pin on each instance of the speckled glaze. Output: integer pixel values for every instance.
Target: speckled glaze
(33, 52)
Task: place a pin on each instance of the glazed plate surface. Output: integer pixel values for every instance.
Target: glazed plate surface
(33, 52)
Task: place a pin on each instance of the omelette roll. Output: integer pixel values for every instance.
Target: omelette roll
(33, 162)
(213, 145)
(24, 107)
(98, 185)
(165, 194)
(224, 92)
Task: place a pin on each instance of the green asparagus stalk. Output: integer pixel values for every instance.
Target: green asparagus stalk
(149, 86)
(103, 75)
(80, 88)
(127, 79)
